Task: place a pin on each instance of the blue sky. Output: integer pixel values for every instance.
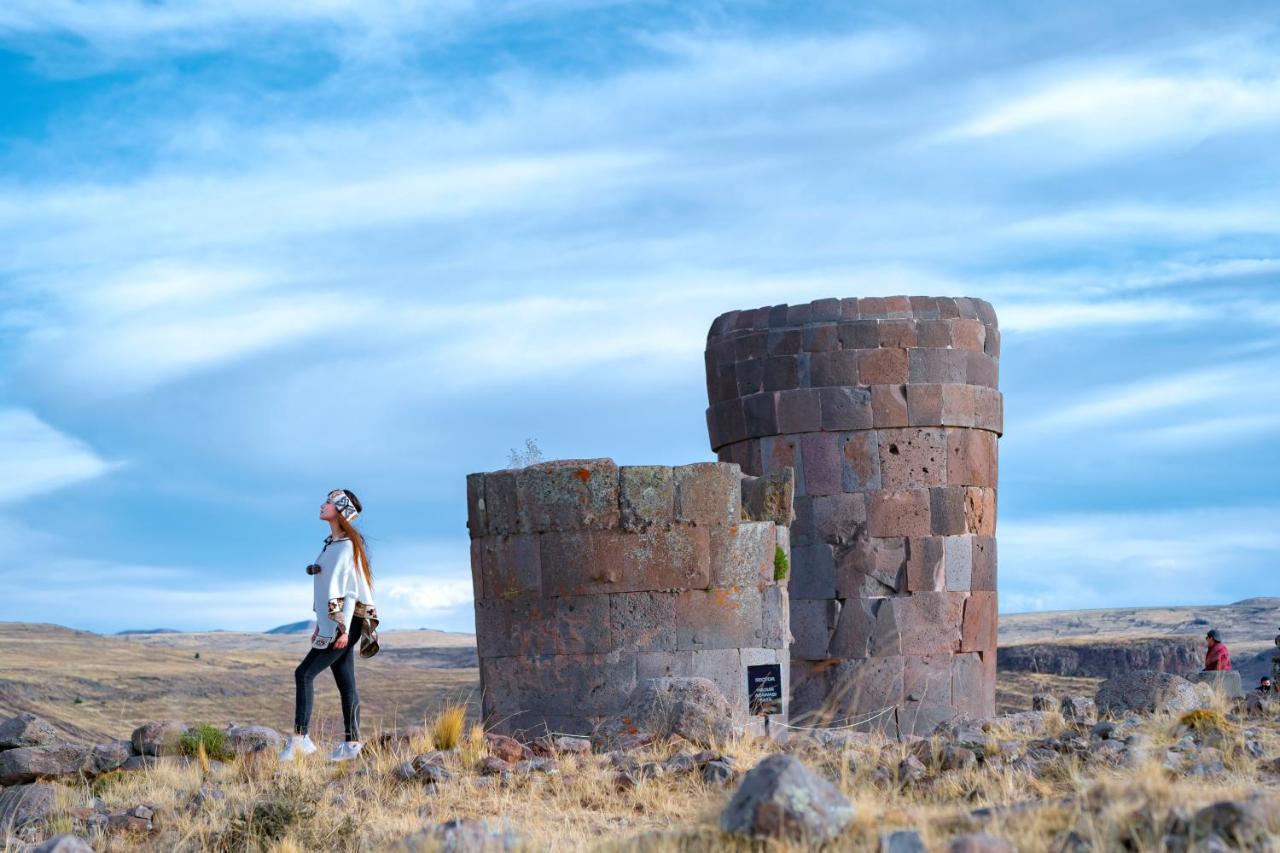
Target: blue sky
(253, 251)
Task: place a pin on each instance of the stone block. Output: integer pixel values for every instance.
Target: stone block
(820, 337)
(769, 498)
(799, 410)
(798, 315)
(722, 324)
(859, 334)
(677, 664)
(889, 405)
(707, 494)
(642, 621)
(968, 334)
(898, 333)
(718, 618)
(726, 422)
(723, 668)
(897, 307)
(984, 563)
(966, 308)
(981, 369)
(824, 310)
(947, 510)
(884, 366)
(861, 689)
(872, 306)
(924, 307)
(959, 404)
(871, 567)
(924, 404)
(508, 566)
(812, 572)
(934, 333)
(558, 684)
(781, 372)
(726, 380)
(477, 524)
(845, 408)
(980, 510)
(988, 409)
(760, 414)
(823, 468)
(775, 628)
(784, 342)
(971, 457)
(839, 367)
(780, 452)
(744, 454)
(992, 347)
(968, 689)
(645, 496)
(913, 458)
(813, 621)
(947, 309)
(859, 461)
(923, 719)
(571, 494)
(839, 519)
(802, 528)
(500, 502)
(934, 364)
(958, 562)
(930, 622)
(742, 555)
(899, 513)
(986, 313)
(869, 627)
(981, 621)
(594, 562)
(926, 569)
(751, 346)
(927, 680)
(749, 376)
(543, 626)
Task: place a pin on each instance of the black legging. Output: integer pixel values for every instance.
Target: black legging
(343, 663)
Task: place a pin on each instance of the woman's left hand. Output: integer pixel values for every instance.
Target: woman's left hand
(341, 641)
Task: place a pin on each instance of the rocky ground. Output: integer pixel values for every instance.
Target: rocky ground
(1169, 766)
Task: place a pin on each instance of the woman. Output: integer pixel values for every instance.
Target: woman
(345, 615)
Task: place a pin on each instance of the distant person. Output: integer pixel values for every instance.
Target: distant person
(1265, 686)
(1217, 659)
(343, 604)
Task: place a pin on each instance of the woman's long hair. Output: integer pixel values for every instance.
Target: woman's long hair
(359, 552)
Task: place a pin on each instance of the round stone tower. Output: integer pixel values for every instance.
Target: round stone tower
(591, 579)
(888, 410)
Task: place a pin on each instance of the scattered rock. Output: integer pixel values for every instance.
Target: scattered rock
(1080, 710)
(717, 773)
(21, 805)
(782, 798)
(1148, 691)
(491, 765)
(26, 730)
(681, 762)
(979, 843)
(463, 836)
(1026, 722)
(1256, 704)
(902, 841)
(1103, 730)
(29, 763)
(570, 745)
(241, 739)
(1239, 823)
(109, 756)
(65, 843)
(1043, 702)
(693, 708)
(506, 748)
(205, 795)
(1206, 762)
(911, 770)
(957, 758)
(158, 737)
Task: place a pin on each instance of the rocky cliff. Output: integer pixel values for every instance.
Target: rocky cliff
(1104, 658)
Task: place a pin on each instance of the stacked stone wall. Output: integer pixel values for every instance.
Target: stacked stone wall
(888, 410)
(590, 578)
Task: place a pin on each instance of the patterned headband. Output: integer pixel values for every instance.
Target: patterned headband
(343, 504)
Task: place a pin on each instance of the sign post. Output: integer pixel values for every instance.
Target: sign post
(764, 691)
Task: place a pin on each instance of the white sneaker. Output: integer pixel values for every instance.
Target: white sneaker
(346, 751)
(297, 745)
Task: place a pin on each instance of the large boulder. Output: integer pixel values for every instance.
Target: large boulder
(159, 737)
(29, 763)
(25, 804)
(1148, 691)
(1226, 682)
(65, 843)
(108, 756)
(693, 708)
(1080, 710)
(242, 739)
(782, 798)
(26, 730)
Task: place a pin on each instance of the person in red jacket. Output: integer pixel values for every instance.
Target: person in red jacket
(1217, 658)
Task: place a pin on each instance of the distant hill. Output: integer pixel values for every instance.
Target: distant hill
(293, 627)
(148, 631)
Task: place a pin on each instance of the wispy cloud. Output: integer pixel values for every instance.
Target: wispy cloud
(36, 458)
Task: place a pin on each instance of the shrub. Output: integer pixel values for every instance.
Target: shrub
(211, 738)
(781, 565)
(446, 730)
